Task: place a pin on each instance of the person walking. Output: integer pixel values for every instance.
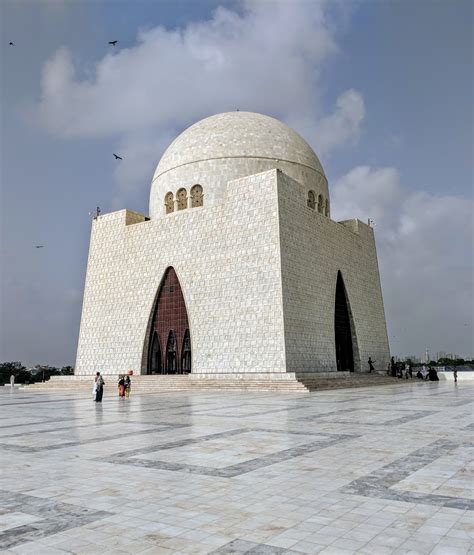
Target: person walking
(128, 386)
(99, 387)
(455, 375)
(371, 365)
(12, 381)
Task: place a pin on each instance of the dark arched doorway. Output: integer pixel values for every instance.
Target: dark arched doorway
(342, 327)
(171, 354)
(170, 325)
(186, 354)
(155, 362)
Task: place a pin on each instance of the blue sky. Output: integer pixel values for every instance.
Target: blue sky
(381, 90)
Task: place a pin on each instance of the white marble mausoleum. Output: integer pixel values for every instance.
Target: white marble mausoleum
(238, 268)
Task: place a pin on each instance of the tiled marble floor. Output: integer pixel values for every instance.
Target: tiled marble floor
(377, 470)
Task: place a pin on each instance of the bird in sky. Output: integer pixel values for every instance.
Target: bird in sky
(39, 246)
(113, 42)
(117, 157)
(11, 43)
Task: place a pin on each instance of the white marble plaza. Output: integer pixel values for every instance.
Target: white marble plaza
(375, 470)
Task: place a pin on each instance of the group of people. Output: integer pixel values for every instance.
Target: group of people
(429, 373)
(399, 369)
(395, 369)
(124, 387)
(403, 370)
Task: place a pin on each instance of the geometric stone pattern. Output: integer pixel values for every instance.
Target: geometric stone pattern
(372, 470)
(51, 517)
(130, 457)
(379, 483)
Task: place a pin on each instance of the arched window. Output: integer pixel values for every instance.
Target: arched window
(311, 200)
(169, 203)
(171, 365)
(182, 199)
(320, 204)
(186, 354)
(326, 209)
(196, 196)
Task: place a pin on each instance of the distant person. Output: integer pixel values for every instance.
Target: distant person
(121, 386)
(410, 371)
(432, 374)
(371, 365)
(99, 387)
(393, 367)
(128, 386)
(12, 381)
(419, 375)
(455, 375)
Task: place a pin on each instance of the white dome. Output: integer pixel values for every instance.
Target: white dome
(228, 146)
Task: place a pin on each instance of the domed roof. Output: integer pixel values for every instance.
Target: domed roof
(238, 135)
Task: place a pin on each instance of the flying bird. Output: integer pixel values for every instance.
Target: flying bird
(11, 43)
(113, 42)
(39, 246)
(117, 157)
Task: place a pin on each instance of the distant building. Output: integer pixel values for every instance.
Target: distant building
(425, 359)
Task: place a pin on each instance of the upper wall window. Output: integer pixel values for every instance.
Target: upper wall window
(197, 197)
(326, 208)
(182, 199)
(169, 203)
(311, 200)
(320, 204)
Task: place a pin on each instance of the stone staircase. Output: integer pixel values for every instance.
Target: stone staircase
(288, 383)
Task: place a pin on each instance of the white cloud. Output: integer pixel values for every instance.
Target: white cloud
(422, 241)
(266, 58)
(344, 124)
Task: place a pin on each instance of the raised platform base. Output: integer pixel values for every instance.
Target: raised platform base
(289, 382)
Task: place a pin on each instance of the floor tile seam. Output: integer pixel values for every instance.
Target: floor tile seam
(232, 470)
(371, 485)
(91, 425)
(173, 445)
(210, 437)
(66, 445)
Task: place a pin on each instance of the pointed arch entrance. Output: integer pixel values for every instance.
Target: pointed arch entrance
(342, 329)
(169, 330)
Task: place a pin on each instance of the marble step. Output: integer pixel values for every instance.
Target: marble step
(158, 384)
